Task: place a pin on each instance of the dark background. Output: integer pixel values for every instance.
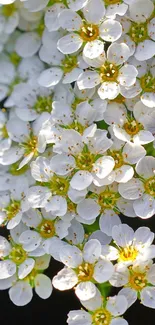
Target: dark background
(55, 309)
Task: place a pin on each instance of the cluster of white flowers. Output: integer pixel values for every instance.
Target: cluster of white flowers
(77, 151)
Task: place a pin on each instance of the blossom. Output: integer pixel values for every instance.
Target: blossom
(138, 282)
(109, 313)
(81, 267)
(110, 71)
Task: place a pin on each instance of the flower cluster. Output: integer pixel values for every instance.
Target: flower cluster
(77, 151)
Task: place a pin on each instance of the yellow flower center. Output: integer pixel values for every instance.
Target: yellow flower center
(8, 10)
(150, 186)
(77, 127)
(69, 63)
(119, 99)
(118, 157)
(132, 127)
(4, 132)
(112, 2)
(18, 255)
(128, 253)
(147, 83)
(59, 185)
(46, 229)
(89, 32)
(85, 272)
(137, 281)
(30, 145)
(109, 72)
(101, 317)
(85, 160)
(43, 104)
(108, 199)
(12, 209)
(138, 32)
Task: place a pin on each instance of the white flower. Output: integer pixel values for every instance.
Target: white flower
(44, 224)
(81, 268)
(106, 201)
(21, 292)
(29, 139)
(131, 247)
(140, 28)
(138, 281)
(111, 71)
(108, 313)
(85, 155)
(128, 126)
(142, 189)
(87, 31)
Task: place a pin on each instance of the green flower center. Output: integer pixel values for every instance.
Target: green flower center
(112, 2)
(12, 209)
(89, 32)
(128, 253)
(132, 127)
(138, 32)
(109, 72)
(85, 272)
(4, 132)
(85, 160)
(118, 157)
(46, 229)
(101, 317)
(8, 10)
(69, 63)
(18, 255)
(30, 145)
(147, 83)
(150, 186)
(77, 127)
(59, 185)
(14, 58)
(43, 104)
(13, 169)
(137, 281)
(108, 199)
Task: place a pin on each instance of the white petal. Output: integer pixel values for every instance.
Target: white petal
(103, 271)
(81, 180)
(43, 286)
(92, 251)
(94, 11)
(88, 79)
(62, 164)
(50, 77)
(71, 256)
(103, 166)
(25, 268)
(93, 49)
(88, 209)
(79, 317)
(21, 293)
(124, 174)
(118, 321)
(69, 44)
(117, 305)
(108, 90)
(70, 20)
(145, 167)
(30, 240)
(57, 205)
(127, 75)
(131, 190)
(145, 50)
(28, 44)
(110, 30)
(65, 279)
(133, 152)
(108, 220)
(148, 297)
(7, 269)
(85, 290)
(129, 294)
(123, 235)
(144, 207)
(38, 196)
(118, 53)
